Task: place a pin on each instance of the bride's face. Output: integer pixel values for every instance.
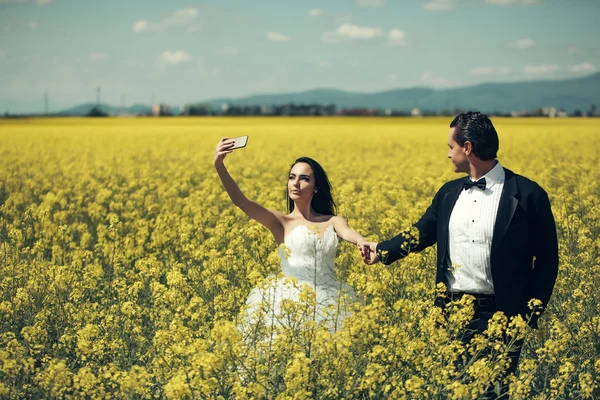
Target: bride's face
(301, 182)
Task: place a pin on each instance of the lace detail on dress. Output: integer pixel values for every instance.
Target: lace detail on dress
(309, 291)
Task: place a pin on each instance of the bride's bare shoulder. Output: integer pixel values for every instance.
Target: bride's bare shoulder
(335, 219)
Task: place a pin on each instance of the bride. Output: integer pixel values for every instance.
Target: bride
(307, 237)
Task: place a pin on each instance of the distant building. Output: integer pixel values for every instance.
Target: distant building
(549, 112)
(415, 112)
(517, 114)
(160, 110)
(553, 112)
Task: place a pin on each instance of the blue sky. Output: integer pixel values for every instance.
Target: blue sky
(184, 51)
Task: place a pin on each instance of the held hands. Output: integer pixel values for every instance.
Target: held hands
(223, 148)
(368, 251)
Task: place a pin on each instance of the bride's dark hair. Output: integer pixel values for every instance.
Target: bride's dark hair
(322, 202)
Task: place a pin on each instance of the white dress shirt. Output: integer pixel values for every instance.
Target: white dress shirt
(470, 235)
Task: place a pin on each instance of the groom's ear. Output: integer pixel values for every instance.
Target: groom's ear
(468, 148)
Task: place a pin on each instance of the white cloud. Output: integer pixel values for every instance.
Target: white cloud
(175, 57)
(439, 5)
(349, 31)
(396, 37)
(572, 49)
(96, 56)
(510, 2)
(277, 37)
(540, 69)
(585, 67)
(522, 43)
(140, 26)
(33, 24)
(325, 64)
(315, 12)
(371, 3)
(181, 17)
(227, 52)
(490, 71)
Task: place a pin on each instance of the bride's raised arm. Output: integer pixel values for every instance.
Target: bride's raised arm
(271, 219)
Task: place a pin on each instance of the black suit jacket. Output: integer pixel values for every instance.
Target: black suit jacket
(524, 254)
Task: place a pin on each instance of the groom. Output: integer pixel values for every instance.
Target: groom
(494, 229)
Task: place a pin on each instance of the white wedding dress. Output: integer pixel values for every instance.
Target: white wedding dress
(308, 267)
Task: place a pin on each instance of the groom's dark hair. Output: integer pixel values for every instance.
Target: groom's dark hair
(476, 128)
(322, 202)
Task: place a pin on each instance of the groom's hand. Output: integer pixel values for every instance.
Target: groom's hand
(362, 246)
(369, 253)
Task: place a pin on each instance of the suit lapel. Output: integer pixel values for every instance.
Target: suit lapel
(506, 209)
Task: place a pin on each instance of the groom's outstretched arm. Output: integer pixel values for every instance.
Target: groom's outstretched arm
(423, 235)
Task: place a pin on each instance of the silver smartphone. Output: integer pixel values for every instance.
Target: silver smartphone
(239, 142)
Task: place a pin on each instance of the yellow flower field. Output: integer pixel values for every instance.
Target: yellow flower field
(125, 267)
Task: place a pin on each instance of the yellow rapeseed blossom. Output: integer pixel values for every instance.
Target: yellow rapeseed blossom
(126, 268)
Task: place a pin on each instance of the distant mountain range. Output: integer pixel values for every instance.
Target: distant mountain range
(488, 97)
(568, 94)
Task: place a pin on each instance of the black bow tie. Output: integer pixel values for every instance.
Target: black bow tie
(468, 184)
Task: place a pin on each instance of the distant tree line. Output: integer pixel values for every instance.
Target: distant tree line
(96, 111)
(293, 109)
(315, 110)
(290, 109)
